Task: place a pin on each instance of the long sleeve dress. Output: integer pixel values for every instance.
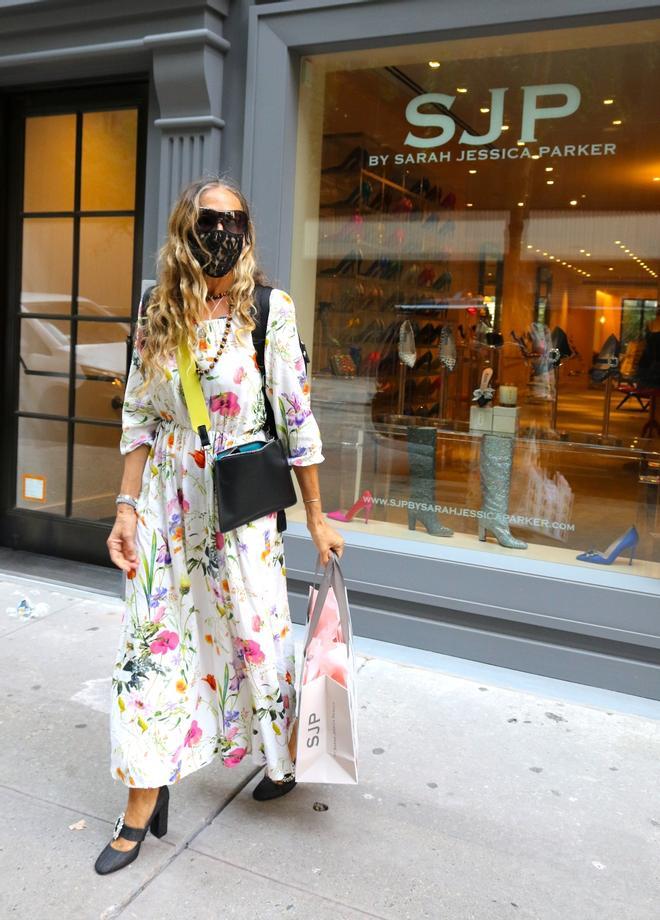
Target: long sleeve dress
(205, 659)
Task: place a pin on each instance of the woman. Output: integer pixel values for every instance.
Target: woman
(205, 663)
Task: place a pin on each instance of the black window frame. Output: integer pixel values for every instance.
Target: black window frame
(25, 528)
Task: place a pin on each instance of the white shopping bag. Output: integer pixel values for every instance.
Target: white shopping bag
(327, 705)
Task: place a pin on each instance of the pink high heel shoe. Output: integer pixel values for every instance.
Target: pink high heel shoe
(365, 501)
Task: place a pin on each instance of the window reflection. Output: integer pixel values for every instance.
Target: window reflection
(500, 211)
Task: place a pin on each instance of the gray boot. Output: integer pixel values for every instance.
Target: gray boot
(421, 454)
(495, 465)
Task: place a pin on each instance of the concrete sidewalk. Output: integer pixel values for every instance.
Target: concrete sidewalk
(483, 794)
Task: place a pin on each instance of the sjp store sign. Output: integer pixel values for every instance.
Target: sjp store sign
(540, 103)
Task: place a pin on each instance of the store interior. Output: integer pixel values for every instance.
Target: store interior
(535, 258)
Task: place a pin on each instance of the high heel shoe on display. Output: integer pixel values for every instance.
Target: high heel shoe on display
(356, 157)
(628, 541)
(365, 501)
(426, 358)
(448, 348)
(442, 282)
(364, 189)
(431, 411)
(110, 859)
(342, 267)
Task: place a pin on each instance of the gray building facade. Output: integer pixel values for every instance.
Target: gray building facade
(305, 102)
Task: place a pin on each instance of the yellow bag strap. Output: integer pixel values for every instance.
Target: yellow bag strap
(193, 395)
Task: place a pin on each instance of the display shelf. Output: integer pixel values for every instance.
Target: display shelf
(343, 277)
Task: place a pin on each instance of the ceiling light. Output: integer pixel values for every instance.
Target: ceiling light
(521, 204)
(656, 178)
(434, 64)
(484, 110)
(472, 171)
(549, 168)
(617, 242)
(617, 121)
(529, 246)
(609, 268)
(505, 127)
(608, 101)
(469, 204)
(602, 319)
(520, 143)
(587, 253)
(552, 257)
(536, 156)
(582, 250)
(545, 253)
(538, 250)
(573, 202)
(461, 89)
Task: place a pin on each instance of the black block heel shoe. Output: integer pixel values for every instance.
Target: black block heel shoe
(109, 859)
(269, 789)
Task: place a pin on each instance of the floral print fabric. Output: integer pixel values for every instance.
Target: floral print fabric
(205, 660)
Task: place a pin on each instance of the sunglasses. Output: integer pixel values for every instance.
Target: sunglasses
(232, 221)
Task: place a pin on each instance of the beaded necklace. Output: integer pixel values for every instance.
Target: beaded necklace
(214, 359)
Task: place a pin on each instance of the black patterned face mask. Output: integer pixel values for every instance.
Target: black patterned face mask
(224, 248)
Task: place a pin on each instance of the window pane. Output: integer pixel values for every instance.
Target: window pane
(41, 465)
(50, 153)
(101, 356)
(44, 366)
(47, 265)
(108, 160)
(515, 232)
(106, 265)
(97, 466)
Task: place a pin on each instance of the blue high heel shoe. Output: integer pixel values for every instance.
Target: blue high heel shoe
(628, 541)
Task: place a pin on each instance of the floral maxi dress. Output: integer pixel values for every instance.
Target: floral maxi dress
(205, 661)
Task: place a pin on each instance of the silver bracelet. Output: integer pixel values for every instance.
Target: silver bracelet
(126, 500)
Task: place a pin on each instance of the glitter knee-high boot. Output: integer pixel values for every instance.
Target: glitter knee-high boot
(495, 466)
(421, 456)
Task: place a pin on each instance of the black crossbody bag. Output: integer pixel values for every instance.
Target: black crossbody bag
(253, 479)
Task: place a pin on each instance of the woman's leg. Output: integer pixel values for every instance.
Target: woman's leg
(261, 626)
(138, 810)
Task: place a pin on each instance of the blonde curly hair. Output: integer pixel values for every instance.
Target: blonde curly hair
(177, 302)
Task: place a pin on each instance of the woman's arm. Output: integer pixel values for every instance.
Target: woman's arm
(325, 537)
(287, 388)
(140, 422)
(121, 542)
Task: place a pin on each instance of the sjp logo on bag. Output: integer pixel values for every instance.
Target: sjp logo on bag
(327, 706)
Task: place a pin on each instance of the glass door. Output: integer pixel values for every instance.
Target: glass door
(77, 216)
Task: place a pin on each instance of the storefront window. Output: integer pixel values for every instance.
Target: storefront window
(478, 234)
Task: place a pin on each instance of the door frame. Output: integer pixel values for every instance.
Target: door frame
(21, 528)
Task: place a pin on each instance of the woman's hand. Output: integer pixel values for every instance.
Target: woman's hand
(121, 542)
(326, 539)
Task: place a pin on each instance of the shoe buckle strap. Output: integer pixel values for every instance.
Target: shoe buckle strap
(125, 830)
